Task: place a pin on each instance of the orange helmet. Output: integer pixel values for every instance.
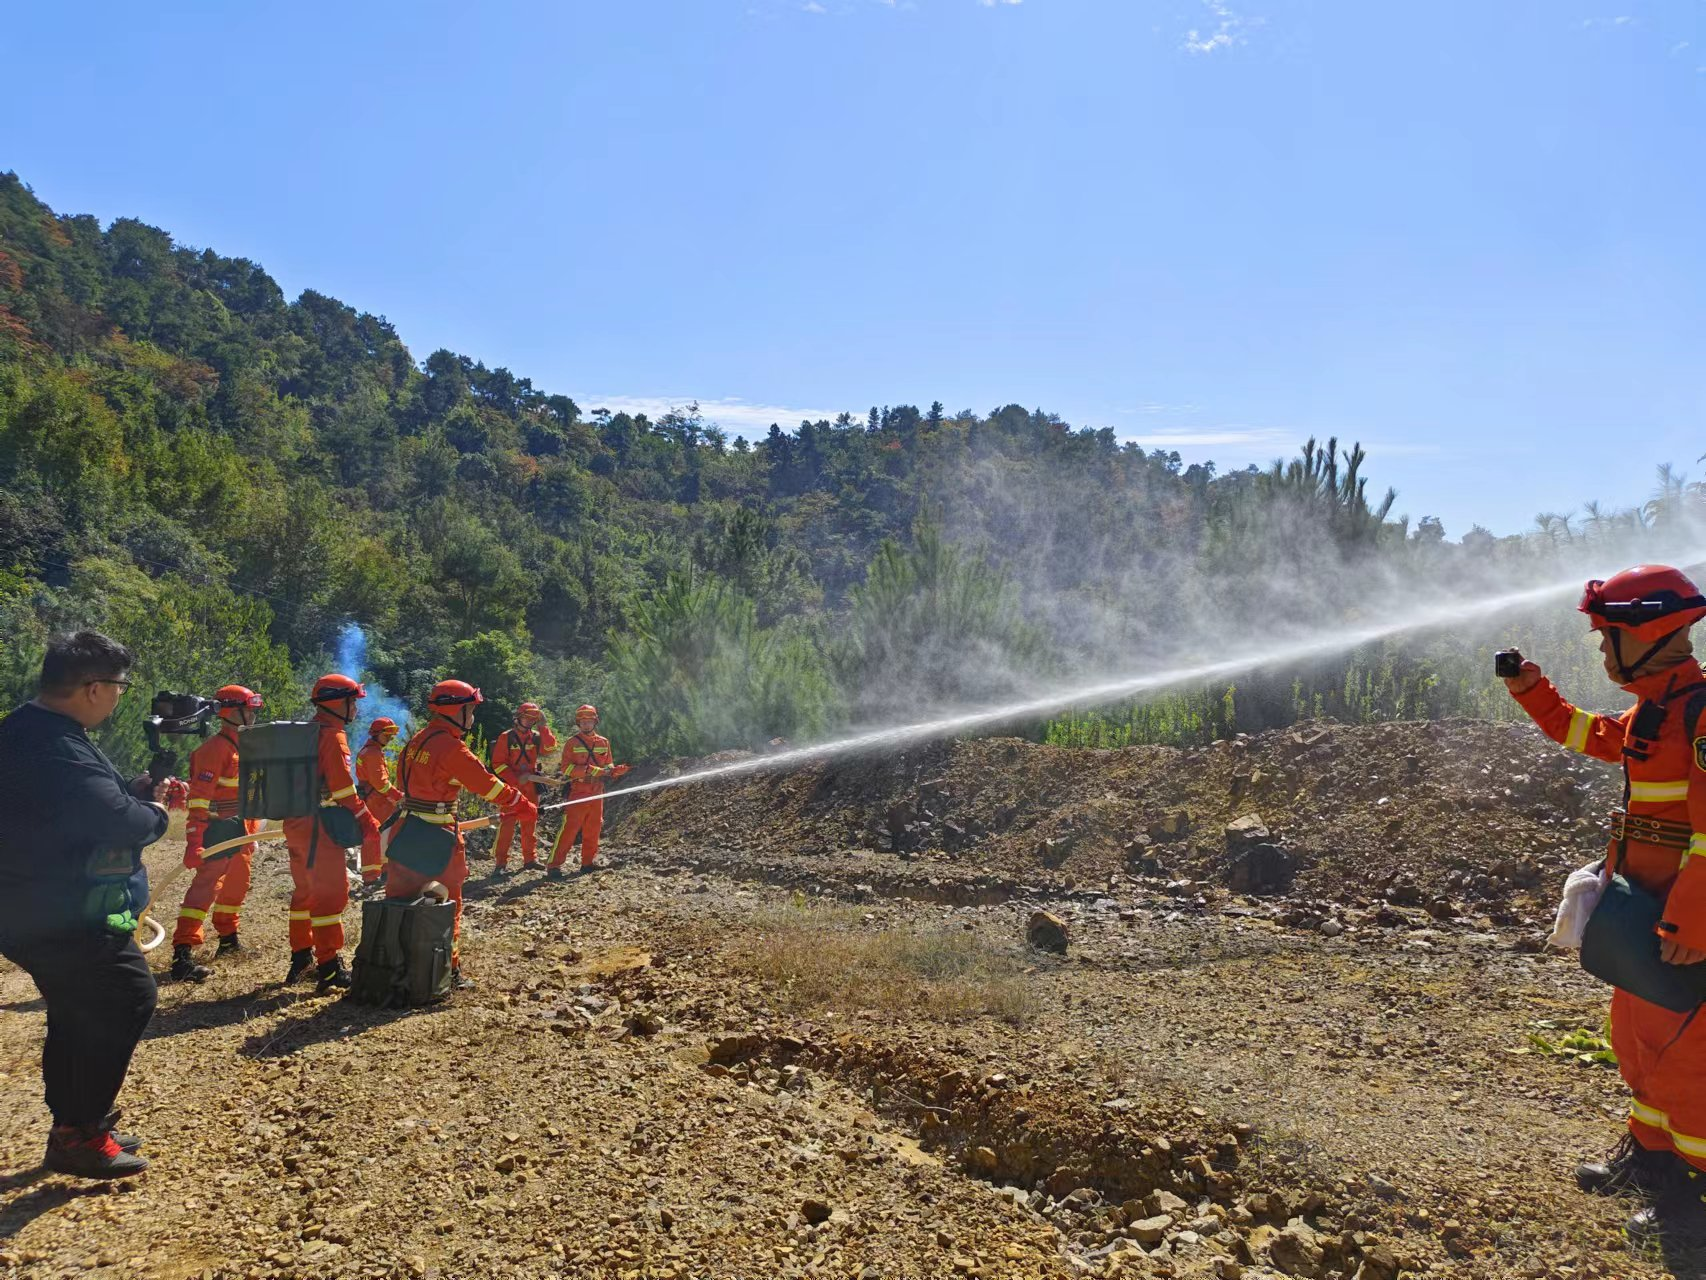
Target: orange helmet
(236, 695)
(527, 713)
(383, 727)
(1647, 602)
(453, 693)
(335, 688)
(584, 710)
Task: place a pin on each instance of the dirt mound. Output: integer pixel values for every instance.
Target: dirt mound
(1442, 815)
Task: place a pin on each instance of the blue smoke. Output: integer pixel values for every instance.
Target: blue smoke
(350, 658)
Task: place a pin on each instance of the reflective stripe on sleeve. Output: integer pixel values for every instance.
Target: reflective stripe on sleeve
(497, 790)
(200, 804)
(1696, 847)
(344, 794)
(1581, 724)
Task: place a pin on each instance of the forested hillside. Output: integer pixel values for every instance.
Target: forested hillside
(226, 479)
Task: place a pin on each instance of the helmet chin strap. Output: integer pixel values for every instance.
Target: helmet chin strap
(1629, 670)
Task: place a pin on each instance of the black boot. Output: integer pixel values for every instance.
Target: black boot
(228, 942)
(333, 976)
(126, 1141)
(1629, 1167)
(300, 962)
(1675, 1210)
(89, 1151)
(184, 967)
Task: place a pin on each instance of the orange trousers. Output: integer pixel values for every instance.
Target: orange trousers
(321, 891)
(580, 820)
(381, 809)
(219, 887)
(401, 882)
(529, 826)
(1663, 1062)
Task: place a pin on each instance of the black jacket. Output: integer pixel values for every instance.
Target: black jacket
(61, 802)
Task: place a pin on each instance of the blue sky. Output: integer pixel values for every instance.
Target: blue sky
(1467, 233)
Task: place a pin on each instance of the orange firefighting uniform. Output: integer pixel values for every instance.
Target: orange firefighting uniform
(220, 885)
(435, 767)
(586, 762)
(373, 785)
(1661, 1054)
(515, 754)
(317, 869)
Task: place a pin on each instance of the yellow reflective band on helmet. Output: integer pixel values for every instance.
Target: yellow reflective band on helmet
(320, 922)
(200, 804)
(1658, 792)
(344, 794)
(1581, 724)
(190, 913)
(496, 791)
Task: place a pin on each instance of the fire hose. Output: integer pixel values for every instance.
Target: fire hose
(228, 848)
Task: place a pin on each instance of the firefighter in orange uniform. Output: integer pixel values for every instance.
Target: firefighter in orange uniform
(373, 785)
(515, 759)
(1643, 616)
(586, 764)
(220, 885)
(317, 844)
(434, 769)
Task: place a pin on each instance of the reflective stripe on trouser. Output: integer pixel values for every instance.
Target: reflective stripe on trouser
(321, 892)
(402, 882)
(583, 820)
(529, 829)
(219, 888)
(1669, 1108)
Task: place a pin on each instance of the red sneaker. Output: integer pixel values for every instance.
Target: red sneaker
(89, 1151)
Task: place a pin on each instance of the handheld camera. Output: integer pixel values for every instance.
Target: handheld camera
(173, 714)
(1507, 664)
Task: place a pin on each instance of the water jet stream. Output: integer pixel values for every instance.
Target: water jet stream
(1119, 688)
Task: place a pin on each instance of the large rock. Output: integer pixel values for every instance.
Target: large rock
(1243, 832)
(1295, 1252)
(1260, 869)
(1175, 826)
(1047, 931)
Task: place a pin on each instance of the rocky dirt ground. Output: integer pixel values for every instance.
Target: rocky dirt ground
(798, 1030)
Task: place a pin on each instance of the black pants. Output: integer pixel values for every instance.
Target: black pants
(100, 995)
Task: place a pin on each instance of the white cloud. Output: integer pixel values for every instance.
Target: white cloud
(1229, 29)
(1192, 437)
(737, 416)
(812, 6)
(990, 4)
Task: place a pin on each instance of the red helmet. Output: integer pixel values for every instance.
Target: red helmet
(235, 695)
(527, 713)
(453, 693)
(584, 710)
(336, 688)
(383, 727)
(1647, 602)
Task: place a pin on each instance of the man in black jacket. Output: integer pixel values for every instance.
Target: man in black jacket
(71, 882)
